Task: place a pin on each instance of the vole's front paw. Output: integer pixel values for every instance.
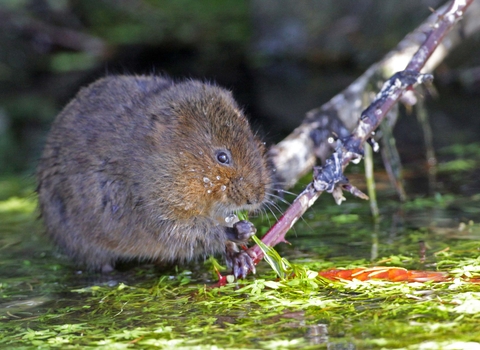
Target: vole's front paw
(239, 261)
(241, 232)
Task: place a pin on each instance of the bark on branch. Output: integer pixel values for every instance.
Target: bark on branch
(298, 153)
(350, 148)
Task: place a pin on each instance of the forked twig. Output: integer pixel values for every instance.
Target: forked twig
(330, 176)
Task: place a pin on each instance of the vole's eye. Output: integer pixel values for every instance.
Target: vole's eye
(223, 157)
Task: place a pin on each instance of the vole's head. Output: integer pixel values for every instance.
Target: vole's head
(220, 164)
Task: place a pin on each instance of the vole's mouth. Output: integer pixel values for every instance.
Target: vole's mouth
(251, 207)
(248, 207)
(229, 214)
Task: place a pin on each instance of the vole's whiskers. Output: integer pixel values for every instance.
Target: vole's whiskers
(264, 215)
(274, 197)
(271, 206)
(287, 192)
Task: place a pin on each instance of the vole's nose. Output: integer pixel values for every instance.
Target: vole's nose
(247, 193)
(255, 197)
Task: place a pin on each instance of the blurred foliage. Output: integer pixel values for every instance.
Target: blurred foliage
(188, 21)
(280, 57)
(50, 47)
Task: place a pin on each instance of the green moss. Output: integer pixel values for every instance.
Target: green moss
(47, 304)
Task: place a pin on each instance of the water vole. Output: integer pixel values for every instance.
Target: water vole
(141, 167)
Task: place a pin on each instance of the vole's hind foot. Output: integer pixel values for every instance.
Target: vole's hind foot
(241, 262)
(107, 268)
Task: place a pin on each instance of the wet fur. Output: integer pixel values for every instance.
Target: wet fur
(129, 171)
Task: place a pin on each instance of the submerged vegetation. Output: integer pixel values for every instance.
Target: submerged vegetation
(46, 303)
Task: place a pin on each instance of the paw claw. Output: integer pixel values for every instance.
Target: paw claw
(241, 263)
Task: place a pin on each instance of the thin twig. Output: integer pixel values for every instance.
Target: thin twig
(330, 176)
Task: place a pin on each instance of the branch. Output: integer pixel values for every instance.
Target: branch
(297, 154)
(330, 176)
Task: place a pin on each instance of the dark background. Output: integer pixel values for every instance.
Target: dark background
(281, 58)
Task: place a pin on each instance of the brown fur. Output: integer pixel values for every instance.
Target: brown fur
(129, 170)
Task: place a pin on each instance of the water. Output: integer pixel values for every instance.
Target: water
(47, 302)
